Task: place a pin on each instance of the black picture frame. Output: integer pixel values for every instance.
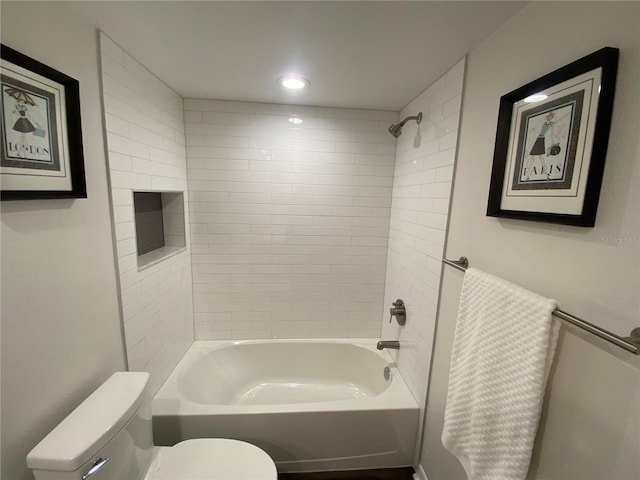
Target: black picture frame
(559, 183)
(41, 138)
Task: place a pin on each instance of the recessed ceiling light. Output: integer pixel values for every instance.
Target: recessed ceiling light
(295, 120)
(293, 82)
(536, 97)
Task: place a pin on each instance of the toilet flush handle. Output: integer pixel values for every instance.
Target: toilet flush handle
(96, 467)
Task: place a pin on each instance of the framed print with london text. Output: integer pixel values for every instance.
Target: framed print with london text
(41, 137)
(551, 143)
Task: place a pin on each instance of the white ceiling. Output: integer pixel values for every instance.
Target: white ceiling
(377, 55)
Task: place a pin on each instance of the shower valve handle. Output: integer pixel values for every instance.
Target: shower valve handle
(399, 311)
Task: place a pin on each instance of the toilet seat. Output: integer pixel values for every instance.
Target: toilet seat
(211, 459)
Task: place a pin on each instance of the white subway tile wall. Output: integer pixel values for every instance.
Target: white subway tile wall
(425, 159)
(289, 222)
(146, 143)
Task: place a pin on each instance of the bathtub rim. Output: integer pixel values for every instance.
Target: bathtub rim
(168, 401)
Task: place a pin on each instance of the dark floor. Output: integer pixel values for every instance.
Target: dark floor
(403, 473)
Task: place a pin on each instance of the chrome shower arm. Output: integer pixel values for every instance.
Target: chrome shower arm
(417, 118)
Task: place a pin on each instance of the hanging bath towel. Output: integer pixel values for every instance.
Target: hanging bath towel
(503, 347)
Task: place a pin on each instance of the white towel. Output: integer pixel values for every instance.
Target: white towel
(503, 347)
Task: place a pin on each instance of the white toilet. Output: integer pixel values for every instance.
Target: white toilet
(109, 437)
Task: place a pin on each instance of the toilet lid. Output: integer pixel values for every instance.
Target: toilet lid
(213, 459)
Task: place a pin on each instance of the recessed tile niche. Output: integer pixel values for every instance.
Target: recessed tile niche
(159, 220)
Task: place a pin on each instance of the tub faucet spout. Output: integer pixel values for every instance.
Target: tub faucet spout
(394, 344)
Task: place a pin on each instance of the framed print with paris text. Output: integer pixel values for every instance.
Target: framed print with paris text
(41, 136)
(551, 143)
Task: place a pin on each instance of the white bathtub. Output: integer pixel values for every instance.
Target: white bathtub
(313, 405)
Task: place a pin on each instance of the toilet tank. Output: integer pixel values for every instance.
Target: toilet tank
(108, 435)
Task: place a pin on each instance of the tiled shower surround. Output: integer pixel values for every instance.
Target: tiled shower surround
(289, 221)
(302, 222)
(425, 159)
(145, 139)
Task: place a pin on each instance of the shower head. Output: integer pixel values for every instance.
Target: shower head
(396, 128)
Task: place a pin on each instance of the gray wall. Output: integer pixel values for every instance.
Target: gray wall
(590, 427)
(61, 334)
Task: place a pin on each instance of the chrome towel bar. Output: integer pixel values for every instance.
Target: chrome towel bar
(631, 343)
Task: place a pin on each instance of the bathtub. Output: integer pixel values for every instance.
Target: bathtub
(313, 405)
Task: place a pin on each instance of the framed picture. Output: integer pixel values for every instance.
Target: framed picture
(551, 143)
(41, 135)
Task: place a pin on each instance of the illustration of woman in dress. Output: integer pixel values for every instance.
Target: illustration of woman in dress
(25, 122)
(539, 148)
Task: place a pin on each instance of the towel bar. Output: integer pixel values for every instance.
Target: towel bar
(630, 343)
